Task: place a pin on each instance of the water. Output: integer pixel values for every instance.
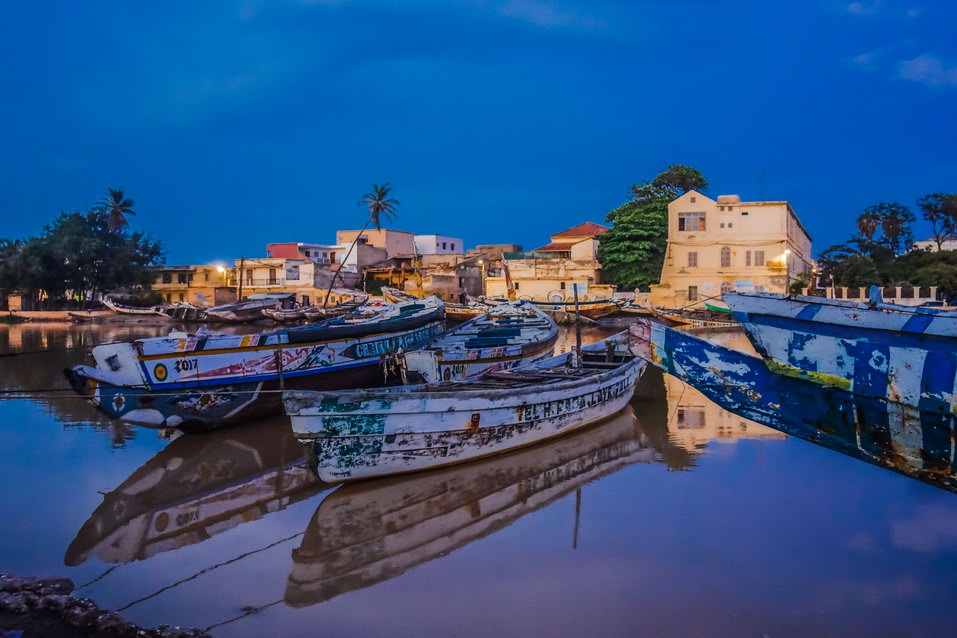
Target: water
(674, 518)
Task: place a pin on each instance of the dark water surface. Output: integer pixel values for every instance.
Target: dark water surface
(674, 518)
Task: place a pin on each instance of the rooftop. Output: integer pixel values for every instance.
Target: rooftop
(588, 229)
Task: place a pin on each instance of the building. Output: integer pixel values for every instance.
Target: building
(395, 243)
(548, 272)
(319, 253)
(717, 246)
(306, 280)
(201, 285)
(438, 245)
(948, 242)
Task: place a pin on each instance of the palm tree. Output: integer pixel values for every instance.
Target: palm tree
(117, 207)
(868, 223)
(380, 207)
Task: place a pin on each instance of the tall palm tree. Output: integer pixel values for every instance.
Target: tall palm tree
(380, 207)
(117, 207)
(868, 222)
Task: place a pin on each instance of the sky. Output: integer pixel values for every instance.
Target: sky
(234, 124)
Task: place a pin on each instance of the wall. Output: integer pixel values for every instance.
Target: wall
(394, 242)
(438, 245)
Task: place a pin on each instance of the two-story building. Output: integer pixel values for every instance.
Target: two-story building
(201, 285)
(718, 246)
(548, 272)
(395, 243)
(438, 245)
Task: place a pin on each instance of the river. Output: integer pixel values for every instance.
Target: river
(674, 518)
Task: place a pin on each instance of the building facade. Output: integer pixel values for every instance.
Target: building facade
(724, 245)
(395, 243)
(549, 272)
(318, 253)
(438, 245)
(201, 285)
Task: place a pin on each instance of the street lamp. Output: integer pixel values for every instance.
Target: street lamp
(222, 271)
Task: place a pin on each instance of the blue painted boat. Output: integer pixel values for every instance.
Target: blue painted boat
(919, 444)
(203, 381)
(901, 354)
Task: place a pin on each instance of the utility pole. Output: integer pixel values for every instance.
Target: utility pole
(242, 269)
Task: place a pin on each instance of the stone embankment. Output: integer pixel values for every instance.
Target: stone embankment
(44, 607)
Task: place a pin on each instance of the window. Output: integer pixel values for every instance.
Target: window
(747, 258)
(759, 258)
(722, 224)
(461, 282)
(730, 224)
(182, 297)
(206, 276)
(690, 221)
(561, 285)
(515, 285)
(760, 289)
(443, 245)
(693, 200)
(167, 279)
(725, 257)
(169, 298)
(692, 260)
(744, 212)
(692, 293)
(181, 279)
(725, 287)
(452, 245)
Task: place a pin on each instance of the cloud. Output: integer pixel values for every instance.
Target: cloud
(863, 8)
(928, 69)
(547, 14)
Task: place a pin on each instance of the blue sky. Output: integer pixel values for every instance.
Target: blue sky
(236, 123)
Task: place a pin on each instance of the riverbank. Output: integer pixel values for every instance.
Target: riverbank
(45, 607)
(92, 316)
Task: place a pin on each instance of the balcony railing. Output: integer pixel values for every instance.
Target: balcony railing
(266, 282)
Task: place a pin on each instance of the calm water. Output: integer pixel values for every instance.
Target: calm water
(674, 518)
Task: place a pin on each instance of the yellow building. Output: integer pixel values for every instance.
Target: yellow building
(716, 246)
(201, 285)
(304, 280)
(547, 273)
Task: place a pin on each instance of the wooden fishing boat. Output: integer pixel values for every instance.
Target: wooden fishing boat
(506, 336)
(691, 319)
(210, 379)
(560, 309)
(717, 306)
(918, 443)
(241, 312)
(357, 434)
(631, 308)
(901, 354)
(195, 488)
(283, 315)
(370, 532)
(184, 311)
(318, 313)
(465, 312)
(395, 295)
(122, 309)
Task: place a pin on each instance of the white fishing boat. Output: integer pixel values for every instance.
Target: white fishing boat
(358, 434)
(243, 311)
(285, 315)
(395, 295)
(507, 336)
(122, 309)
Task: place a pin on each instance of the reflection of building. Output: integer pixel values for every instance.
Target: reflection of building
(694, 420)
(548, 272)
(719, 246)
(199, 285)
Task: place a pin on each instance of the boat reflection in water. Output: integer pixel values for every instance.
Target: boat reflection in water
(919, 444)
(366, 533)
(196, 487)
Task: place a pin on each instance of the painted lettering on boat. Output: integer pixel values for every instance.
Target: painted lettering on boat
(558, 407)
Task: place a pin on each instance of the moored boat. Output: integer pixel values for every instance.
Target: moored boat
(901, 354)
(241, 312)
(210, 379)
(464, 312)
(122, 309)
(284, 315)
(561, 309)
(369, 532)
(716, 305)
(357, 434)
(920, 444)
(504, 337)
(318, 313)
(395, 295)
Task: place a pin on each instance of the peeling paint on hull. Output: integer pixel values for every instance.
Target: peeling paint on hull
(919, 444)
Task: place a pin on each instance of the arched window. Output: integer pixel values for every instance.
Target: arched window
(725, 287)
(725, 257)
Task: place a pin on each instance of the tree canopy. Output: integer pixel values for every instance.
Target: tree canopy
(633, 249)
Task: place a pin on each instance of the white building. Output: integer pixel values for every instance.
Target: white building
(948, 242)
(438, 245)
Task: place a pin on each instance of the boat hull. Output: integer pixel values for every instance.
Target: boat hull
(354, 435)
(902, 357)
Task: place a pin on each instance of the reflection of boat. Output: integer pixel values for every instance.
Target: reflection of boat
(122, 309)
(896, 353)
(79, 317)
(357, 434)
(507, 336)
(208, 379)
(369, 532)
(918, 444)
(195, 488)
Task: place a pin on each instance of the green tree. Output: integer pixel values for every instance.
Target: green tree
(895, 223)
(940, 209)
(633, 249)
(380, 206)
(117, 206)
(868, 223)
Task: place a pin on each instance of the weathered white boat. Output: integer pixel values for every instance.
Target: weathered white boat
(897, 353)
(593, 309)
(504, 337)
(241, 312)
(395, 295)
(283, 315)
(369, 532)
(359, 434)
(122, 309)
(464, 312)
(318, 313)
(209, 379)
